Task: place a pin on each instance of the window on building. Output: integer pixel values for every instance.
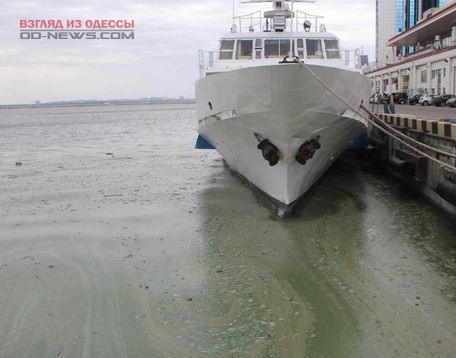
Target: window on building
(424, 76)
(427, 4)
(244, 50)
(226, 50)
(444, 72)
(394, 83)
(332, 49)
(314, 49)
(433, 73)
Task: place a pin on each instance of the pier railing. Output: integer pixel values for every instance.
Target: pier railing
(440, 128)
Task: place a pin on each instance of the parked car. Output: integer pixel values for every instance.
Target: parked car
(441, 101)
(451, 102)
(415, 99)
(400, 97)
(427, 100)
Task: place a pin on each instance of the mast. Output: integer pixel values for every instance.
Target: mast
(291, 29)
(280, 11)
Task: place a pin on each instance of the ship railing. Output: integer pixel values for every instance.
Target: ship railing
(206, 61)
(301, 17)
(248, 23)
(255, 22)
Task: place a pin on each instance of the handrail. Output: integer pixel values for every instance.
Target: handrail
(307, 16)
(250, 17)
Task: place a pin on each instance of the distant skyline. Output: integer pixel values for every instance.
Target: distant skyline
(95, 102)
(162, 61)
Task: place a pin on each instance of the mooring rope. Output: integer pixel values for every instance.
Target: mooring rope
(397, 135)
(400, 134)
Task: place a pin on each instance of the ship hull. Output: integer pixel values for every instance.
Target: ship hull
(288, 107)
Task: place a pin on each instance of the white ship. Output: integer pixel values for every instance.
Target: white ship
(273, 119)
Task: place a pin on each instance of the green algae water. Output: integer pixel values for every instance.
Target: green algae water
(118, 239)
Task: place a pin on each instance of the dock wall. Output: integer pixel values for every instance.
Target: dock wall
(436, 183)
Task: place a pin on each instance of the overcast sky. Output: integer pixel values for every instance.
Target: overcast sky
(161, 61)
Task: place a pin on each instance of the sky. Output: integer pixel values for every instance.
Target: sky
(162, 60)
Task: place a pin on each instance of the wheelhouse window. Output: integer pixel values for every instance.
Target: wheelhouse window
(226, 49)
(314, 49)
(300, 47)
(285, 48)
(332, 49)
(277, 48)
(271, 48)
(244, 50)
(258, 48)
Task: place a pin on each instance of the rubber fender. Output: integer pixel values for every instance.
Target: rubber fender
(307, 151)
(447, 190)
(270, 152)
(378, 141)
(402, 166)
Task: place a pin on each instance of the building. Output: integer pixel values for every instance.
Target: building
(423, 57)
(395, 16)
(385, 29)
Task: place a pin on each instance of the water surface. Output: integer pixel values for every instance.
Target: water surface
(118, 239)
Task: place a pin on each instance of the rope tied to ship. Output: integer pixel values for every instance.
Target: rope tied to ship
(385, 127)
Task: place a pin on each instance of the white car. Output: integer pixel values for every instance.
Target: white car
(427, 100)
(451, 102)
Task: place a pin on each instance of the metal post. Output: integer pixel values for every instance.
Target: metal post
(291, 41)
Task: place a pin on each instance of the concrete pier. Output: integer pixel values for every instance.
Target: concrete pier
(436, 183)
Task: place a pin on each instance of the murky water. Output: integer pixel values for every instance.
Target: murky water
(117, 239)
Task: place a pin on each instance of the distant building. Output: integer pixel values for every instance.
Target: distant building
(396, 16)
(37, 103)
(385, 28)
(422, 59)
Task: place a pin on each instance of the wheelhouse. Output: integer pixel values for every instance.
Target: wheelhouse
(266, 38)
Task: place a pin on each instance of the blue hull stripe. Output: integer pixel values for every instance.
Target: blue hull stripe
(202, 143)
